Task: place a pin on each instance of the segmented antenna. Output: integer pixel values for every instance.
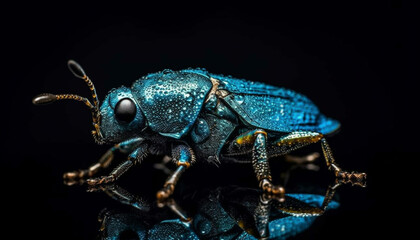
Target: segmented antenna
(46, 98)
(77, 70)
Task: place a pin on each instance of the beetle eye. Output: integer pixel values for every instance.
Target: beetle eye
(125, 110)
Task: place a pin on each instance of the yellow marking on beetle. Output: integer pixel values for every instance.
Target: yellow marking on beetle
(245, 139)
(249, 137)
(185, 164)
(300, 137)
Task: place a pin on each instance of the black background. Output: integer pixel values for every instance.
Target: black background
(345, 57)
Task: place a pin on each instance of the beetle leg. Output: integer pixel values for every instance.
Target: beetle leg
(171, 204)
(183, 156)
(261, 166)
(162, 165)
(135, 157)
(104, 161)
(332, 188)
(329, 159)
(307, 209)
(257, 140)
(302, 159)
(123, 196)
(295, 140)
(354, 178)
(262, 214)
(298, 139)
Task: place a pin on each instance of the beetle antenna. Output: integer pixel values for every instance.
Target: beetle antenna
(78, 71)
(46, 98)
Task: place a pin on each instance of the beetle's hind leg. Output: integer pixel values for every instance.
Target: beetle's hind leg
(299, 160)
(298, 139)
(106, 159)
(343, 176)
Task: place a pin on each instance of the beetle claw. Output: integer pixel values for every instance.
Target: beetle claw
(75, 177)
(272, 191)
(354, 178)
(78, 174)
(165, 193)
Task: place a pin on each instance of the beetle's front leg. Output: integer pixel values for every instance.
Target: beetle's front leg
(104, 161)
(135, 157)
(183, 155)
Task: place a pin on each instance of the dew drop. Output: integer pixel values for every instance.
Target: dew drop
(239, 99)
(189, 98)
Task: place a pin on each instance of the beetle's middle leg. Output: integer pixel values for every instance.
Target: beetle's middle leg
(183, 155)
(258, 139)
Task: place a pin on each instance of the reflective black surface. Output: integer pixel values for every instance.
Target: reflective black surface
(346, 57)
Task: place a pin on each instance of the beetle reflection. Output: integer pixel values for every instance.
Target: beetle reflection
(229, 212)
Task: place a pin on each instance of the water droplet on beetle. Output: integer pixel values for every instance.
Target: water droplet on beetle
(239, 99)
(189, 98)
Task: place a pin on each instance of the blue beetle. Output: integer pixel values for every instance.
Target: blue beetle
(192, 116)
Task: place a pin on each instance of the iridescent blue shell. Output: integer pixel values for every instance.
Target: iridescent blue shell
(272, 108)
(171, 100)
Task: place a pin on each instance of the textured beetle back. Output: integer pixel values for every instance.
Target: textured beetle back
(273, 108)
(171, 100)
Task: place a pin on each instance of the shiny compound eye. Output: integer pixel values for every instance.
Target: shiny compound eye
(125, 110)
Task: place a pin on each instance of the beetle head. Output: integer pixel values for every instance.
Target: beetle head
(77, 70)
(121, 116)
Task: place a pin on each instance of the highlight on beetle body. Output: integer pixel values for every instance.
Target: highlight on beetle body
(77, 70)
(194, 116)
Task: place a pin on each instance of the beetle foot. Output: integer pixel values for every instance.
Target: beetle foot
(75, 177)
(170, 203)
(100, 180)
(272, 191)
(78, 174)
(165, 193)
(71, 182)
(354, 178)
(96, 188)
